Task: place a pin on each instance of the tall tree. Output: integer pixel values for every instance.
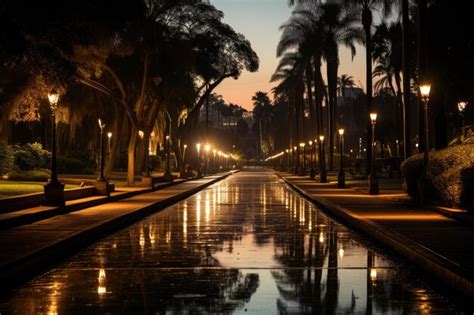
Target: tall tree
(262, 111)
(365, 9)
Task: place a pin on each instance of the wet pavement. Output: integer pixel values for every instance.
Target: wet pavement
(248, 244)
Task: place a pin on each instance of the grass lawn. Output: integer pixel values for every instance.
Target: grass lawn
(15, 188)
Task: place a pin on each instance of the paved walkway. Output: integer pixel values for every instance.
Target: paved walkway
(439, 244)
(29, 246)
(246, 245)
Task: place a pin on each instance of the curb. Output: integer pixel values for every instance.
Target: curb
(46, 214)
(26, 267)
(451, 273)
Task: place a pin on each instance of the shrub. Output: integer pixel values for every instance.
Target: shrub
(31, 156)
(7, 158)
(449, 175)
(41, 175)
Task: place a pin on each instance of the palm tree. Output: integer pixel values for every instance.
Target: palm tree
(290, 75)
(261, 113)
(365, 9)
(302, 33)
(339, 28)
(344, 82)
(387, 53)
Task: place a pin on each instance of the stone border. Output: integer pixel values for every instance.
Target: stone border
(451, 273)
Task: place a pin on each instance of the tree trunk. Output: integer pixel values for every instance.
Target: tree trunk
(332, 93)
(117, 136)
(407, 145)
(131, 156)
(367, 24)
(319, 93)
(421, 69)
(399, 105)
(309, 76)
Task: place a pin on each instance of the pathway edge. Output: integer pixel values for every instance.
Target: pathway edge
(443, 269)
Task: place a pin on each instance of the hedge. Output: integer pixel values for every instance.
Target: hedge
(7, 159)
(450, 176)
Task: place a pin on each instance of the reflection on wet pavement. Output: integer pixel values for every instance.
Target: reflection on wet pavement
(245, 245)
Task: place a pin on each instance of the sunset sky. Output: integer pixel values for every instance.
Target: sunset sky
(259, 21)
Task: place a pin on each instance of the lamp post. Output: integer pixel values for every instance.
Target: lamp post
(141, 134)
(168, 176)
(101, 152)
(295, 160)
(214, 165)
(198, 169)
(53, 190)
(287, 158)
(373, 179)
(425, 90)
(101, 184)
(184, 153)
(425, 97)
(303, 152)
(312, 172)
(341, 177)
(109, 139)
(461, 107)
(322, 160)
(316, 158)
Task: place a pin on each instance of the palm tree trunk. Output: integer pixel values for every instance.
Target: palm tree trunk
(297, 127)
(332, 92)
(319, 92)
(407, 146)
(421, 69)
(367, 23)
(399, 104)
(309, 76)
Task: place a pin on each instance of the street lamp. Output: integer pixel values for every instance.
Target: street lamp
(312, 172)
(184, 153)
(461, 107)
(101, 184)
(398, 148)
(425, 97)
(323, 174)
(53, 190)
(341, 177)
(287, 158)
(373, 180)
(167, 176)
(295, 160)
(141, 134)
(316, 158)
(198, 149)
(109, 139)
(101, 152)
(425, 90)
(303, 148)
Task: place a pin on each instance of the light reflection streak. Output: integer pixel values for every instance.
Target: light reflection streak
(101, 289)
(198, 213)
(142, 237)
(185, 223)
(207, 207)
